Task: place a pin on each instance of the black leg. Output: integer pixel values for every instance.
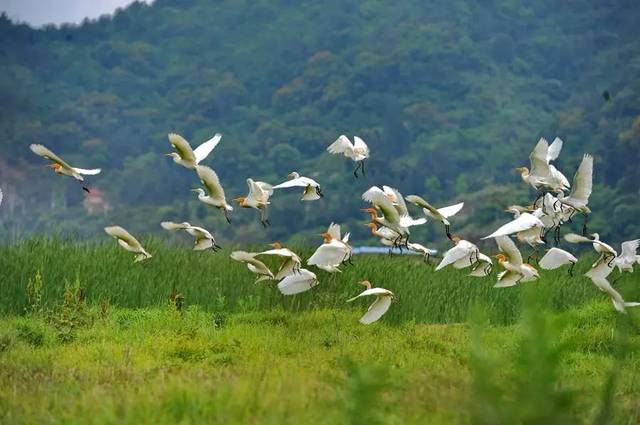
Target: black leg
(86, 189)
(355, 172)
(571, 269)
(584, 224)
(226, 215)
(447, 230)
(363, 173)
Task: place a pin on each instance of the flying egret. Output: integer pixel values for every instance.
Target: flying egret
(258, 199)
(333, 252)
(515, 270)
(556, 258)
(298, 282)
(440, 214)
(291, 261)
(215, 193)
(59, 166)
(627, 257)
(312, 189)
(203, 238)
(543, 175)
(598, 274)
(379, 306)
(578, 198)
(254, 265)
(128, 242)
(606, 251)
(188, 157)
(386, 236)
(421, 249)
(357, 151)
(392, 218)
(466, 254)
(397, 201)
(524, 222)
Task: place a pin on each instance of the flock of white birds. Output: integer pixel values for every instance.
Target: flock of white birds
(557, 202)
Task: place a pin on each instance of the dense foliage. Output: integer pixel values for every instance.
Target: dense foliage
(449, 94)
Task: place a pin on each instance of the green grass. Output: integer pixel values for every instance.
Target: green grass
(216, 283)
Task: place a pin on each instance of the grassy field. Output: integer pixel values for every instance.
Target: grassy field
(88, 337)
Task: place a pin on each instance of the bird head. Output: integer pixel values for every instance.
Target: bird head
(501, 257)
(293, 175)
(522, 170)
(241, 201)
(327, 237)
(56, 167)
(198, 190)
(455, 239)
(365, 283)
(173, 155)
(276, 245)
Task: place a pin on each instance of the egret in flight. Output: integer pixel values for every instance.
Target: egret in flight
(515, 270)
(254, 265)
(203, 238)
(598, 274)
(556, 258)
(258, 199)
(188, 157)
(358, 151)
(543, 175)
(440, 214)
(214, 195)
(312, 189)
(379, 306)
(128, 242)
(291, 261)
(59, 166)
(298, 282)
(466, 254)
(578, 198)
(333, 252)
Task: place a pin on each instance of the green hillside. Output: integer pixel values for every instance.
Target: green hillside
(450, 96)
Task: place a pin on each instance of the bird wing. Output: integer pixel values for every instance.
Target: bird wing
(202, 151)
(556, 257)
(554, 149)
(451, 210)
(341, 145)
(575, 238)
(396, 199)
(170, 225)
(456, 253)
(91, 172)
(583, 180)
(376, 310)
(408, 221)
(345, 239)
(282, 252)
(298, 282)
(629, 249)
(120, 233)
(182, 147)
(372, 291)
(599, 270)
(257, 266)
(369, 194)
(507, 278)
(538, 159)
(202, 244)
(360, 145)
(525, 222)
(211, 182)
(334, 230)
(378, 198)
(48, 154)
(420, 202)
(416, 247)
(260, 191)
(297, 182)
(559, 177)
(509, 249)
(328, 255)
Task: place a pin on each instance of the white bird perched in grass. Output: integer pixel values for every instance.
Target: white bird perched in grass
(333, 252)
(379, 306)
(556, 258)
(421, 249)
(515, 270)
(215, 193)
(598, 274)
(543, 175)
(291, 261)
(358, 151)
(298, 282)
(466, 254)
(312, 189)
(203, 238)
(254, 265)
(258, 199)
(128, 242)
(188, 157)
(527, 227)
(440, 214)
(578, 198)
(59, 166)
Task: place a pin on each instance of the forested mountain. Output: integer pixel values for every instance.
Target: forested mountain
(450, 95)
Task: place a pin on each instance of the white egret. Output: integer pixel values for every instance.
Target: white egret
(440, 214)
(215, 193)
(386, 236)
(581, 190)
(203, 238)
(627, 257)
(312, 189)
(258, 199)
(542, 174)
(254, 265)
(392, 218)
(466, 254)
(515, 270)
(556, 258)
(598, 274)
(59, 166)
(379, 306)
(291, 261)
(421, 249)
(523, 223)
(358, 151)
(333, 252)
(188, 157)
(299, 282)
(128, 242)
(606, 251)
